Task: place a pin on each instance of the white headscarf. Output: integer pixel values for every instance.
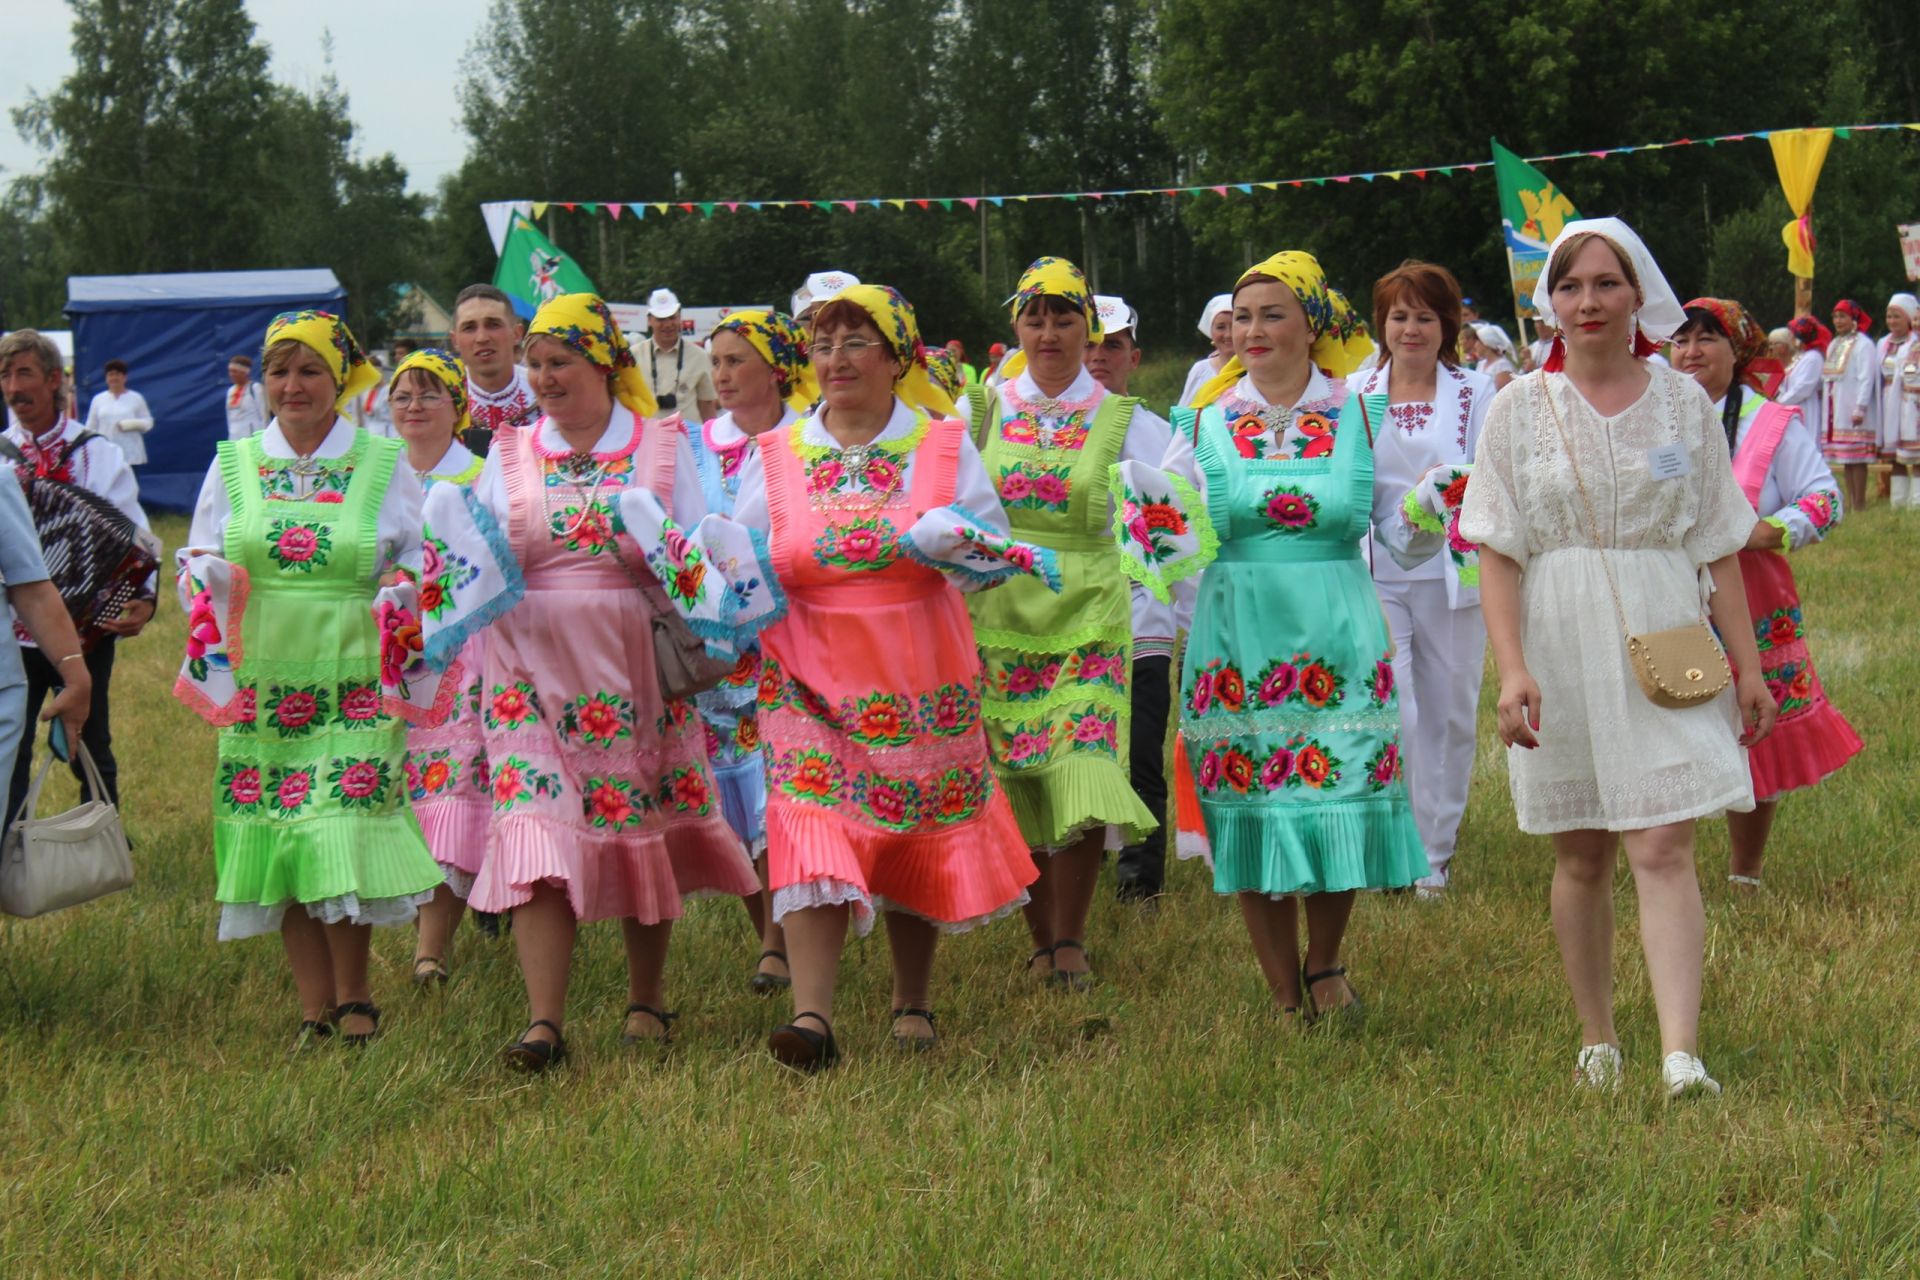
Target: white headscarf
(1907, 303)
(1215, 305)
(1660, 314)
(1494, 336)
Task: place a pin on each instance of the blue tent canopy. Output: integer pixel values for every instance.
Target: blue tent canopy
(176, 333)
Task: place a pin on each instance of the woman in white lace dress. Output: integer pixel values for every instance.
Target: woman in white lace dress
(1602, 449)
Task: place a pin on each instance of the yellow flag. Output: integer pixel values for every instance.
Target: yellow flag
(1798, 155)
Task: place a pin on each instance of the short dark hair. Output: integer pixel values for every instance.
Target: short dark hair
(407, 345)
(243, 361)
(115, 366)
(484, 293)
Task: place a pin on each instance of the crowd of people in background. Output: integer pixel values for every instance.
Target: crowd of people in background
(556, 627)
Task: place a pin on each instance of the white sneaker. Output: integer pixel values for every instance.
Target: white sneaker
(1599, 1067)
(1686, 1074)
(1431, 886)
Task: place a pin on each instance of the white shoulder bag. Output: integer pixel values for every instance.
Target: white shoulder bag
(47, 864)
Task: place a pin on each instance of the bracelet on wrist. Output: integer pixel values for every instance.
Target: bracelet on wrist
(69, 658)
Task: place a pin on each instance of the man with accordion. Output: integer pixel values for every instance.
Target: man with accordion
(99, 552)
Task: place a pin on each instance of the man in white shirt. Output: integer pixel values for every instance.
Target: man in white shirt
(246, 407)
(120, 414)
(52, 447)
(486, 336)
(678, 371)
(1140, 869)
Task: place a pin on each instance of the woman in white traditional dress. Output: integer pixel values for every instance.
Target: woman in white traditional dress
(1216, 325)
(1897, 352)
(1849, 436)
(1804, 388)
(1602, 492)
(1496, 354)
(1434, 413)
(122, 416)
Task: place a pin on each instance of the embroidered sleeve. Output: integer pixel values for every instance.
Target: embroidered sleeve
(1430, 519)
(972, 554)
(718, 575)
(1806, 521)
(214, 594)
(410, 689)
(1161, 525)
(468, 574)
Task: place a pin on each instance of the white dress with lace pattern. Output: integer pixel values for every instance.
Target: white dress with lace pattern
(1609, 758)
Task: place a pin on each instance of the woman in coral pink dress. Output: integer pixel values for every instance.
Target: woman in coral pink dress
(603, 803)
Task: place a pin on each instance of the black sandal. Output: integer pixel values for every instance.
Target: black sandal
(802, 1048)
(428, 970)
(918, 1044)
(765, 984)
(665, 1019)
(311, 1033)
(1037, 953)
(1351, 1009)
(1071, 981)
(536, 1056)
(363, 1008)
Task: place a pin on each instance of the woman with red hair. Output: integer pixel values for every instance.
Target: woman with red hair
(1848, 433)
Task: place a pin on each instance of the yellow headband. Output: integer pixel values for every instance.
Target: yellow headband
(450, 371)
(1052, 278)
(1339, 342)
(783, 346)
(893, 316)
(327, 336)
(582, 322)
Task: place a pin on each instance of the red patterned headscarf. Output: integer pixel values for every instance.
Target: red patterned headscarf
(1749, 341)
(1811, 333)
(1861, 320)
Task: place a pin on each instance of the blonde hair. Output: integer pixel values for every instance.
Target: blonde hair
(1570, 249)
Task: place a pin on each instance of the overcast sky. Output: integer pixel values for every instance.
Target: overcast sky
(395, 59)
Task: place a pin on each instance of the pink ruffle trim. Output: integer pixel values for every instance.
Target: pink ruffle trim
(1803, 752)
(645, 876)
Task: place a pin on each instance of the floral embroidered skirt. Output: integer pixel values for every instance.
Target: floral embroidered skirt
(1291, 726)
(598, 785)
(1811, 741)
(447, 780)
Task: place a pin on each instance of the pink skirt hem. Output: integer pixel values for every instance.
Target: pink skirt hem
(1803, 752)
(645, 877)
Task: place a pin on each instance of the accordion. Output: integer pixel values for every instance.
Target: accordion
(96, 557)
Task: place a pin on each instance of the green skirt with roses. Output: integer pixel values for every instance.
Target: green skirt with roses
(309, 803)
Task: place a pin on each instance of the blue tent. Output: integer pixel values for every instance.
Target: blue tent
(176, 334)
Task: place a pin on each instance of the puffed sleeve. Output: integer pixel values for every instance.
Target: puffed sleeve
(973, 491)
(689, 499)
(1490, 514)
(1160, 518)
(399, 523)
(1723, 519)
(1807, 489)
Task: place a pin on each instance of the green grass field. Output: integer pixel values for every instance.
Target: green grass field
(1165, 1124)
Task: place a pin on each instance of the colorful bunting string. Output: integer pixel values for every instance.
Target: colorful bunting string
(706, 208)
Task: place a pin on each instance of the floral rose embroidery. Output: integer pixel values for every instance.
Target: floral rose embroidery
(297, 546)
(359, 706)
(240, 786)
(1277, 683)
(1290, 510)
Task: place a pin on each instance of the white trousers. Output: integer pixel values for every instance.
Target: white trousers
(1439, 654)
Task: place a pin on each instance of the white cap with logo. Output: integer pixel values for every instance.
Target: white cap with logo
(820, 286)
(662, 305)
(1115, 315)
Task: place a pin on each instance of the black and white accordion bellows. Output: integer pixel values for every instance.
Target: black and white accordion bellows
(97, 557)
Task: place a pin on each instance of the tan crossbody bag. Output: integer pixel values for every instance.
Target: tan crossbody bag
(1680, 667)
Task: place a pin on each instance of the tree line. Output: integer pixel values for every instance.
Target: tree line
(669, 100)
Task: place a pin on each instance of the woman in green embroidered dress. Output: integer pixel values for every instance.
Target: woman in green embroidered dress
(1057, 703)
(313, 838)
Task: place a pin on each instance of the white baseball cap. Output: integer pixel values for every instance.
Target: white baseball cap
(1115, 315)
(820, 286)
(662, 305)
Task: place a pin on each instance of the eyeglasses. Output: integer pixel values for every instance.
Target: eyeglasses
(854, 348)
(403, 401)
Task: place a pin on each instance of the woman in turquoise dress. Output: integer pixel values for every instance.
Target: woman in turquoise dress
(1291, 722)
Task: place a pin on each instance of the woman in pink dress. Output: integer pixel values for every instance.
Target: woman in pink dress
(880, 794)
(603, 803)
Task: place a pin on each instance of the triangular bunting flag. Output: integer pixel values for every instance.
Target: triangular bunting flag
(539, 209)
(1219, 191)
(591, 206)
(733, 206)
(848, 205)
(661, 208)
(922, 203)
(898, 204)
(947, 205)
(613, 209)
(968, 201)
(706, 208)
(1245, 188)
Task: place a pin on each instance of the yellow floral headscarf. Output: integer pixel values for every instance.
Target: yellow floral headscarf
(893, 316)
(945, 371)
(781, 344)
(1051, 278)
(450, 370)
(1340, 341)
(327, 336)
(582, 321)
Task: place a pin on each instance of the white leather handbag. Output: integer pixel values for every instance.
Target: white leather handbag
(47, 864)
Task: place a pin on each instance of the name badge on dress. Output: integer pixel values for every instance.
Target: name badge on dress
(1669, 462)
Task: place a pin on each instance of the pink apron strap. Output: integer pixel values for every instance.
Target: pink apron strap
(1755, 459)
(660, 438)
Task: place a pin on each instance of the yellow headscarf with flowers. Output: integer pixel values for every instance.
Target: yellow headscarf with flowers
(781, 344)
(582, 322)
(893, 316)
(327, 336)
(452, 373)
(1051, 278)
(1340, 341)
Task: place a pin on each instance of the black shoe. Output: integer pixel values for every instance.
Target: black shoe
(488, 923)
(428, 971)
(536, 1056)
(312, 1035)
(1060, 978)
(364, 1008)
(803, 1048)
(1136, 891)
(765, 984)
(914, 1043)
(1351, 1011)
(665, 1019)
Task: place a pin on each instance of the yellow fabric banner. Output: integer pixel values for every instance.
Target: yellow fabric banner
(1798, 155)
